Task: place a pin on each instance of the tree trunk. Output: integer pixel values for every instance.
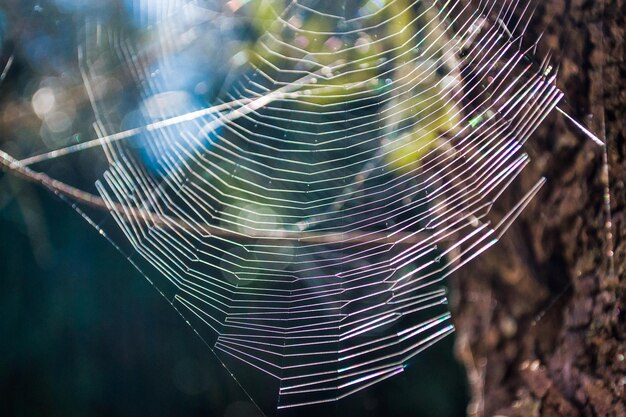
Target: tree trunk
(541, 317)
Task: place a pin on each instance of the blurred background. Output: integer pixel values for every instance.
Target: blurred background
(84, 334)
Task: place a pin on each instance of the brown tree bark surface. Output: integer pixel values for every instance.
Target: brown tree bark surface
(541, 317)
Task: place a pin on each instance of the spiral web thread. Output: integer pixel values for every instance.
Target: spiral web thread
(304, 223)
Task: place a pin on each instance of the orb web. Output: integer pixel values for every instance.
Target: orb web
(300, 194)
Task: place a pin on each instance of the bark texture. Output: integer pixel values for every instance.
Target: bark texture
(541, 317)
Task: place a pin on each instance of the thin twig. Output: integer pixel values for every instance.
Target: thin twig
(13, 166)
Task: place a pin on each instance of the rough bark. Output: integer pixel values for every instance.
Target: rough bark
(541, 318)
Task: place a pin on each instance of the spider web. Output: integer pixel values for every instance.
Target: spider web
(302, 206)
